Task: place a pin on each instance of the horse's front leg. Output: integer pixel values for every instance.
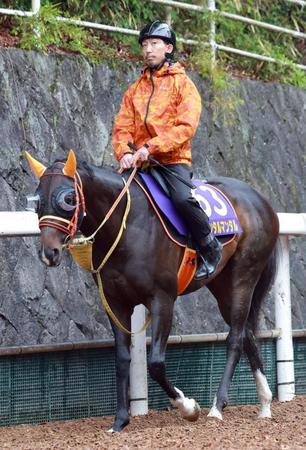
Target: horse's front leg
(123, 359)
(162, 312)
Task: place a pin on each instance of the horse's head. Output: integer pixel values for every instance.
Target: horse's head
(59, 203)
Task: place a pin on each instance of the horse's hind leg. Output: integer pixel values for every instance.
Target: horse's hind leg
(161, 312)
(234, 295)
(263, 391)
(234, 349)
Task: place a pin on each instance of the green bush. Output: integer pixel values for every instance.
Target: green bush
(190, 25)
(44, 30)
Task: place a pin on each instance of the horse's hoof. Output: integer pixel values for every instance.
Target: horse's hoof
(215, 413)
(265, 413)
(188, 407)
(118, 426)
(194, 411)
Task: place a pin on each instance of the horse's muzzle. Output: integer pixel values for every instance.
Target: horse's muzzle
(50, 256)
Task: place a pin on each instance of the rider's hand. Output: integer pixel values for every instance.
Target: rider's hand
(141, 155)
(126, 161)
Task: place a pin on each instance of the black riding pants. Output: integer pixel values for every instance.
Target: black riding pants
(187, 206)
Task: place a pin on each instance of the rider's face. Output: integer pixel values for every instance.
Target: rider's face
(154, 50)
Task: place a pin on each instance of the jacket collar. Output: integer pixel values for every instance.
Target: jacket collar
(164, 70)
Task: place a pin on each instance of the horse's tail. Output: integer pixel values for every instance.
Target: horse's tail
(262, 287)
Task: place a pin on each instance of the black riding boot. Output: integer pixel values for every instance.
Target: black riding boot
(210, 254)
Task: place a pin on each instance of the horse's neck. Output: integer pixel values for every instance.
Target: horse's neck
(101, 187)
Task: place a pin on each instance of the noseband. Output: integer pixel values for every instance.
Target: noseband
(69, 227)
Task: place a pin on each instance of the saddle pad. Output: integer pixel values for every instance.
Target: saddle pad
(221, 214)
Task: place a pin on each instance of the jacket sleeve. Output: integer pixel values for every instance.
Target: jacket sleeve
(124, 126)
(187, 120)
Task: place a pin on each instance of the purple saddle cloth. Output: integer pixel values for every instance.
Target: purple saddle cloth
(221, 214)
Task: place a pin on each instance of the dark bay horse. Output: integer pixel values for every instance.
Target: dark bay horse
(143, 269)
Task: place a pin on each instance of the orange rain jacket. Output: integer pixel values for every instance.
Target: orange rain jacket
(162, 111)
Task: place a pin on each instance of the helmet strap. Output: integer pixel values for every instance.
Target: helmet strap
(169, 58)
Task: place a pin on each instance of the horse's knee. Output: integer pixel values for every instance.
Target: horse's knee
(123, 364)
(235, 343)
(156, 368)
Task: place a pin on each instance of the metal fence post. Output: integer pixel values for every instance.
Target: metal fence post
(168, 15)
(138, 368)
(284, 343)
(212, 33)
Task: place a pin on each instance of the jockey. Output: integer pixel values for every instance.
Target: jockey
(160, 114)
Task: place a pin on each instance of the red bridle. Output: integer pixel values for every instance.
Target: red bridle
(68, 227)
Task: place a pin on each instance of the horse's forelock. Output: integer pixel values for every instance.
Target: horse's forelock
(55, 165)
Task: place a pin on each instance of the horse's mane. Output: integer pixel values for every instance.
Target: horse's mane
(92, 168)
(94, 172)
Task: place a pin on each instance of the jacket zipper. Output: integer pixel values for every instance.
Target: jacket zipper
(148, 104)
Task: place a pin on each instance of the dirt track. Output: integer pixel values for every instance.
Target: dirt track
(166, 430)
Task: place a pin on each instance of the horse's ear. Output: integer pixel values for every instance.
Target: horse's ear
(37, 167)
(70, 165)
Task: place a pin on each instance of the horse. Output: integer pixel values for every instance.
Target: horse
(143, 267)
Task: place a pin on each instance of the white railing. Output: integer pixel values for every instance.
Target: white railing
(24, 223)
(187, 6)
(297, 2)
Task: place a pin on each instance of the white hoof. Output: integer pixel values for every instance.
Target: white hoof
(265, 412)
(188, 407)
(215, 413)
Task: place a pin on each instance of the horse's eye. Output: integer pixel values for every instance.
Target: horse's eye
(69, 199)
(66, 200)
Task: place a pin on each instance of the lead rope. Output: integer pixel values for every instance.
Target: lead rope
(100, 285)
(110, 252)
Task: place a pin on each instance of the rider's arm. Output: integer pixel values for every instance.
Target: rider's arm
(187, 120)
(124, 127)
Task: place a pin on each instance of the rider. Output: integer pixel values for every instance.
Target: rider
(159, 114)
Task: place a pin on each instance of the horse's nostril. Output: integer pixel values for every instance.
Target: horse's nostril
(55, 256)
(52, 255)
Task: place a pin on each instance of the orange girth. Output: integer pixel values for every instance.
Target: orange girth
(187, 270)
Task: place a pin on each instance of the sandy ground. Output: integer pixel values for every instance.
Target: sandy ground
(240, 429)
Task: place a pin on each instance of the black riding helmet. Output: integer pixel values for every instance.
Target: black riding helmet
(158, 29)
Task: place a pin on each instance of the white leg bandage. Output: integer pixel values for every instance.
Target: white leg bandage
(264, 394)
